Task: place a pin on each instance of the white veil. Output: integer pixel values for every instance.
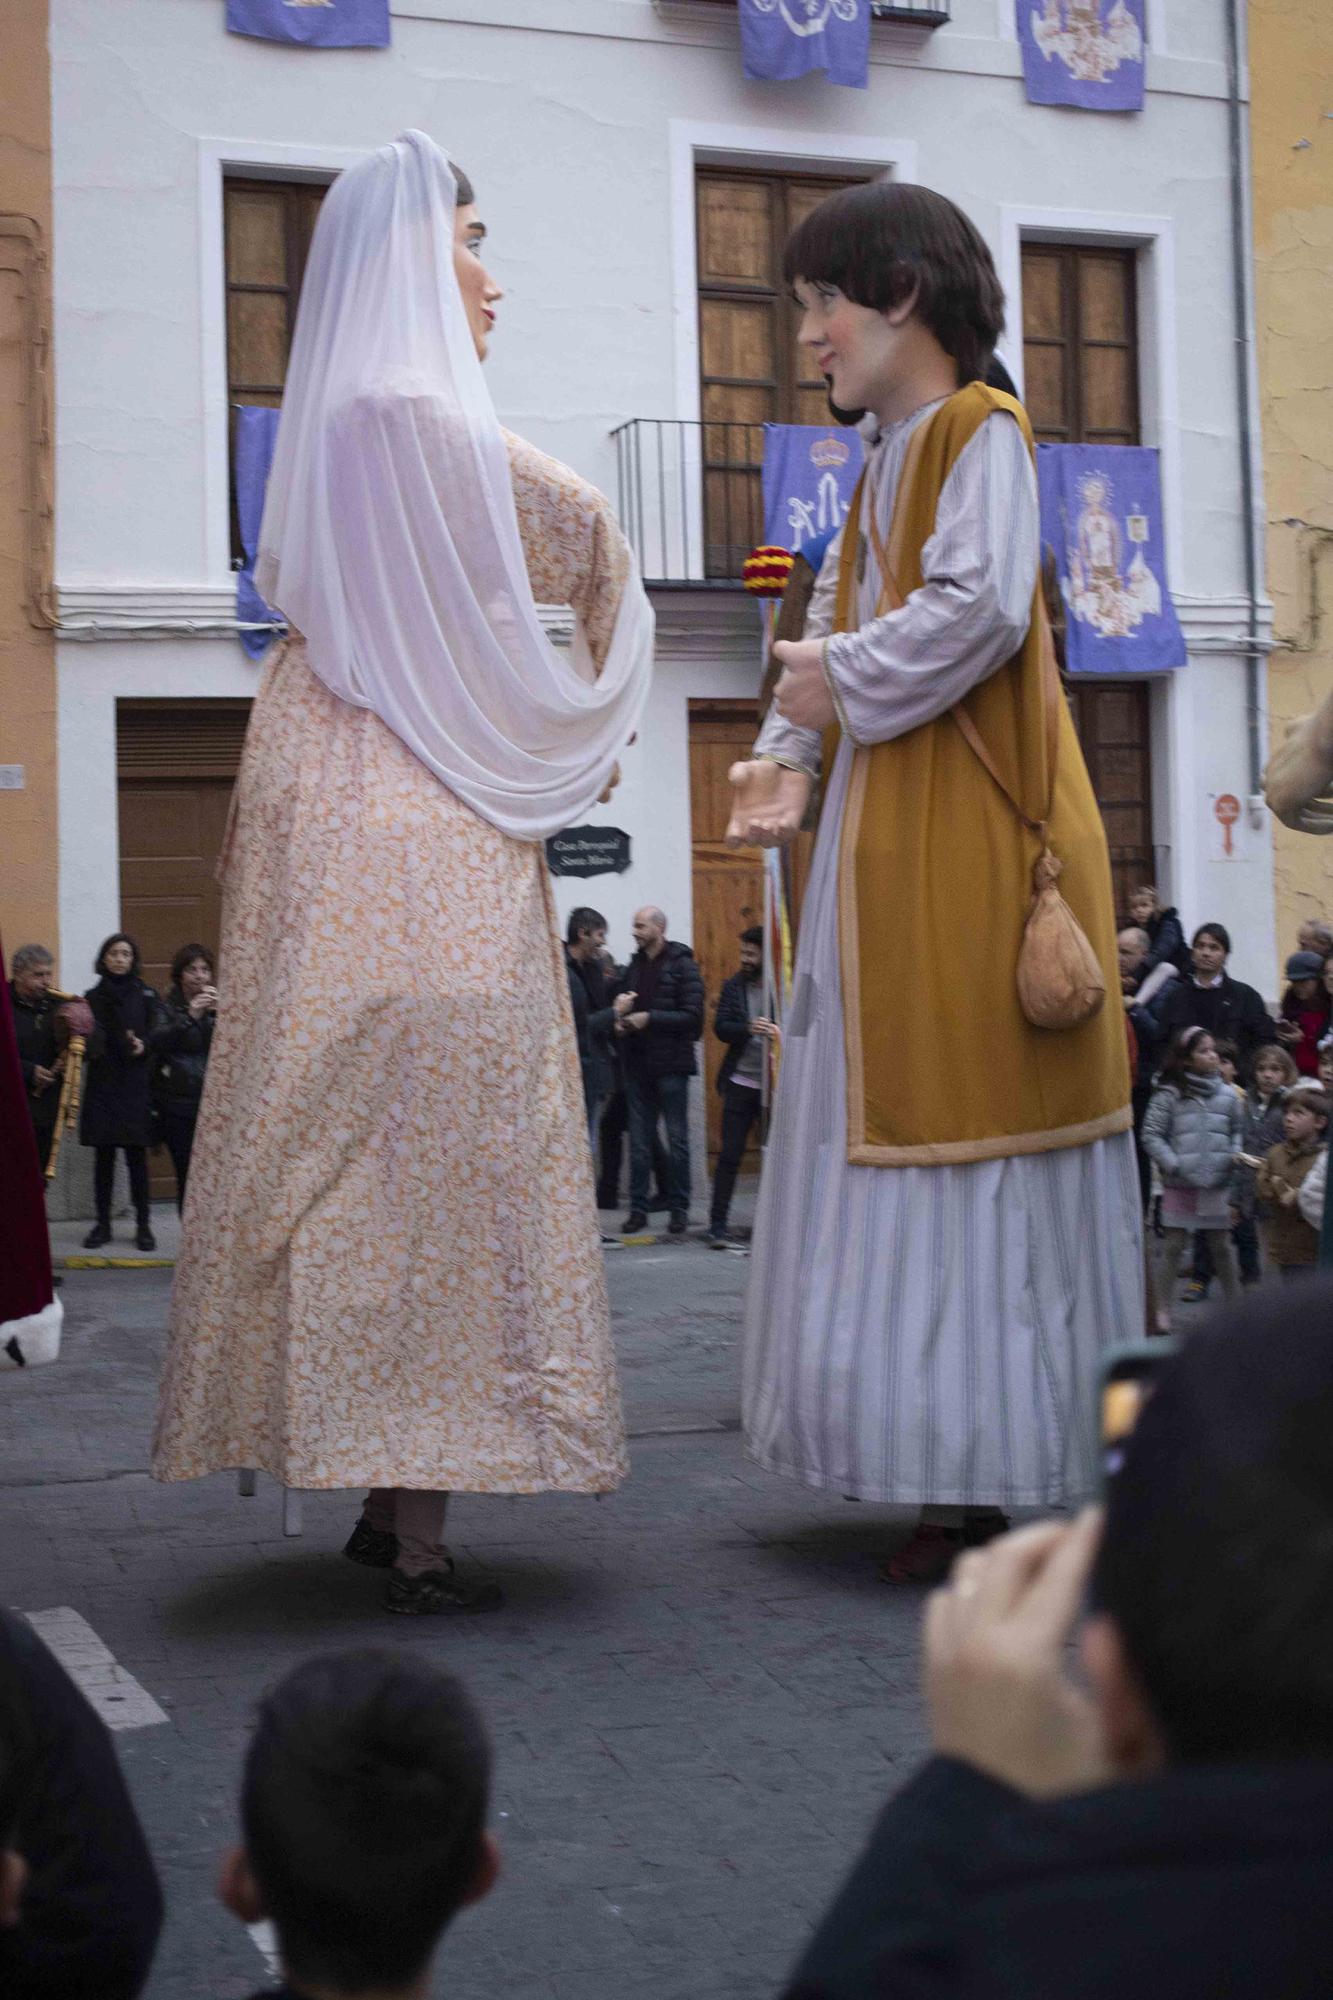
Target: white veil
(390, 537)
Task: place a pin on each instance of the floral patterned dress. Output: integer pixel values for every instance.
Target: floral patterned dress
(390, 1272)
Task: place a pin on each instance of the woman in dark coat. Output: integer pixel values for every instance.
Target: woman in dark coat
(180, 1044)
(117, 1108)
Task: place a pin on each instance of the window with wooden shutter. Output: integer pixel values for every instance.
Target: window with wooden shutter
(267, 227)
(1080, 365)
(752, 368)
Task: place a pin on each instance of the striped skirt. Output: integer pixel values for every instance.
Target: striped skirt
(925, 1335)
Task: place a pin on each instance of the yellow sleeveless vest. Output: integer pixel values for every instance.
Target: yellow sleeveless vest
(935, 880)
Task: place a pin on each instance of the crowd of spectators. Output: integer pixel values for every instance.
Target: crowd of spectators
(145, 1057)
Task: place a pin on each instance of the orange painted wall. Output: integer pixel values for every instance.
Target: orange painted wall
(1291, 81)
(28, 818)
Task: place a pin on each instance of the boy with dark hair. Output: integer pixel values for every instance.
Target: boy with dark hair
(1291, 1243)
(363, 1810)
(949, 1212)
(1163, 1824)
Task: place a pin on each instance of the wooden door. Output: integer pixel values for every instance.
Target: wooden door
(728, 885)
(753, 371)
(177, 764)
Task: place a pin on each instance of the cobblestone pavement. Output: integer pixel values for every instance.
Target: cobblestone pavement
(699, 1692)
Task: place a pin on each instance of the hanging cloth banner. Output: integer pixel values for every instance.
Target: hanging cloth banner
(810, 474)
(313, 24)
(1088, 53)
(252, 455)
(1101, 514)
(784, 39)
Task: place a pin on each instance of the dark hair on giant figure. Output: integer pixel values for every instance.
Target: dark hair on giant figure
(889, 241)
(1216, 1563)
(754, 935)
(464, 195)
(116, 937)
(363, 1807)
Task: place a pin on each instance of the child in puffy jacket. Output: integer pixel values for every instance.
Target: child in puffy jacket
(1192, 1132)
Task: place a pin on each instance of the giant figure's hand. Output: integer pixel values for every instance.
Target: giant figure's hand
(1298, 783)
(768, 804)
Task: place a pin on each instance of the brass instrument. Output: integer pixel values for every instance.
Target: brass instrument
(74, 1022)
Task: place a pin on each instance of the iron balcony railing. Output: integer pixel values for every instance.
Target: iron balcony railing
(691, 500)
(915, 13)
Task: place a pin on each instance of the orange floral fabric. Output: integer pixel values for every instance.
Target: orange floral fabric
(390, 1272)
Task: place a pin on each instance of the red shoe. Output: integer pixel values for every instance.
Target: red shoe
(926, 1557)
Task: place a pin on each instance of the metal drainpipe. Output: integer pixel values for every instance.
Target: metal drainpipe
(1240, 301)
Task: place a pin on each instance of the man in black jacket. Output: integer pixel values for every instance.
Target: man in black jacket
(1208, 997)
(740, 1023)
(39, 1052)
(1169, 1831)
(659, 1016)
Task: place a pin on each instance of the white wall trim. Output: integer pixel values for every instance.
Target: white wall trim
(215, 157)
(192, 611)
(692, 145)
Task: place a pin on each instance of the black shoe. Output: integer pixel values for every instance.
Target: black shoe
(144, 1238)
(99, 1234)
(679, 1222)
(634, 1222)
(982, 1525)
(716, 1239)
(440, 1590)
(377, 1548)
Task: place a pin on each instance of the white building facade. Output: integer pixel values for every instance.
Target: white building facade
(588, 128)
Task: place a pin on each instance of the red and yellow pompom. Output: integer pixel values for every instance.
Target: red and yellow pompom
(766, 571)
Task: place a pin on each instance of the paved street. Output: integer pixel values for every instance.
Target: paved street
(699, 1692)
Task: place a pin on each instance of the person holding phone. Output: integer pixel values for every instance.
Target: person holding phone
(180, 1043)
(1160, 1822)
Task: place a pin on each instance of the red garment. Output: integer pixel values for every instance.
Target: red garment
(1313, 1024)
(25, 1246)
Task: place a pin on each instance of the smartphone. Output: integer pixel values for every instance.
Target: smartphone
(1127, 1380)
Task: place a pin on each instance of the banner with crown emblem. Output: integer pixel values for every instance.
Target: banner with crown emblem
(1088, 53)
(810, 474)
(784, 39)
(313, 24)
(1101, 515)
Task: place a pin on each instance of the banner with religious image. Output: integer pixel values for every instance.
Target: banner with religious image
(810, 474)
(1101, 514)
(1088, 53)
(313, 24)
(783, 39)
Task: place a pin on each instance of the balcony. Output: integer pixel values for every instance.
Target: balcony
(909, 13)
(690, 499)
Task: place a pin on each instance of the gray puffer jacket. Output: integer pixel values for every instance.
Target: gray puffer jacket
(1192, 1137)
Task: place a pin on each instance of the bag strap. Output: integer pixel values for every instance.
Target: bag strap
(892, 599)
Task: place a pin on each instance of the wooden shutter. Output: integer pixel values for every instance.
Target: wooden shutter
(752, 368)
(1080, 339)
(267, 227)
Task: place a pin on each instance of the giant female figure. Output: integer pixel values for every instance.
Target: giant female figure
(390, 1275)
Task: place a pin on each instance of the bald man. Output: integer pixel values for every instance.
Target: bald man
(659, 1016)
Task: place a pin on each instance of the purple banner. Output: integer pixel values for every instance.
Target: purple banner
(1101, 513)
(313, 24)
(1088, 53)
(784, 39)
(810, 474)
(252, 456)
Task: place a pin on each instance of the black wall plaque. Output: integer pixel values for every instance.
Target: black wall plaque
(588, 850)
